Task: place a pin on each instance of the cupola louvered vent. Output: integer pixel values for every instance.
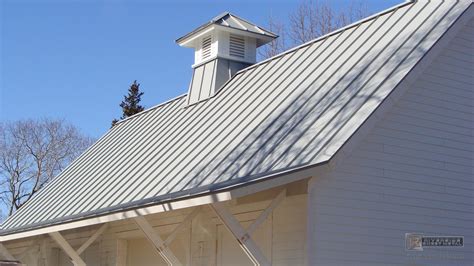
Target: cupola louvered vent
(222, 47)
(237, 46)
(206, 47)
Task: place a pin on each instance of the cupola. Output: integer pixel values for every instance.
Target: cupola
(223, 46)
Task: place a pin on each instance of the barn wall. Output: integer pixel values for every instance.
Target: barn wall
(282, 238)
(413, 173)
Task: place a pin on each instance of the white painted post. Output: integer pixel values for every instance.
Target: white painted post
(45, 252)
(310, 224)
(121, 257)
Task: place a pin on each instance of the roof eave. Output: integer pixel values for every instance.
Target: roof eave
(187, 39)
(153, 206)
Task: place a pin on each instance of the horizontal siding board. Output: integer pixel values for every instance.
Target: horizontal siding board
(406, 174)
(358, 225)
(410, 189)
(413, 136)
(453, 90)
(463, 114)
(417, 216)
(415, 205)
(411, 174)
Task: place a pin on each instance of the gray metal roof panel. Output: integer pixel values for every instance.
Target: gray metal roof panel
(293, 111)
(227, 19)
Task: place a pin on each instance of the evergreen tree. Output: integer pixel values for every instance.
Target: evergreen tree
(131, 102)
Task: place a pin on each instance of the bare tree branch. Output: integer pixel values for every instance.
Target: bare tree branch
(279, 44)
(310, 20)
(31, 154)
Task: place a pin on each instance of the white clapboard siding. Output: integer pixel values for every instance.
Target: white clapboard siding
(412, 173)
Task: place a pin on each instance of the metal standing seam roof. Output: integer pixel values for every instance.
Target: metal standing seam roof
(229, 20)
(290, 112)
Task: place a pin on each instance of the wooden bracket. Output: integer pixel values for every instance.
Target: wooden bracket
(76, 259)
(187, 220)
(93, 238)
(75, 254)
(163, 246)
(244, 236)
(5, 253)
(156, 241)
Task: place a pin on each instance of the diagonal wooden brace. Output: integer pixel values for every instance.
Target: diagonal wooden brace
(187, 220)
(244, 236)
(76, 259)
(156, 241)
(91, 239)
(264, 215)
(5, 253)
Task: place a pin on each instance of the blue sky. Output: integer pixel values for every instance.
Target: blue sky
(75, 60)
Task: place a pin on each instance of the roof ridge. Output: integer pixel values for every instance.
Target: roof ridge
(153, 107)
(327, 35)
(220, 16)
(223, 14)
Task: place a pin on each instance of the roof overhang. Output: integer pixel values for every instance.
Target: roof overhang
(208, 197)
(189, 39)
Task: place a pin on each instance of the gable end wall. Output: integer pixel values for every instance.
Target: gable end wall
(412, 174)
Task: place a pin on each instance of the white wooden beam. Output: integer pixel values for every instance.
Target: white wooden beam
(45, 252)
(156, 241)
(124, 215)
(5, 253)
(187, 220)
(76, 259)
(245, 242)
(264, 215)
(211, 233)
(91, 239)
